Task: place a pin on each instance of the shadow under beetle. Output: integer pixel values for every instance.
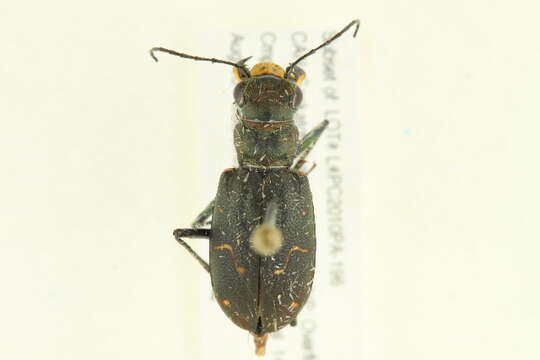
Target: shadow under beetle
(262, 234)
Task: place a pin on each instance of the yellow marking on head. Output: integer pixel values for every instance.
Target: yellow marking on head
(236, 74)
(297, 75)
(293, 249)
(267, 68)
(226, 302)
(298, 80)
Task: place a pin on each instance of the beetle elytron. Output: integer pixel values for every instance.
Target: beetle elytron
(262, 235)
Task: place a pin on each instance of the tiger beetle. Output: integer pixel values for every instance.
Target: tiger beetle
(262, 225)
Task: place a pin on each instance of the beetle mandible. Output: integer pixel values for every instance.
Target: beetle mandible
(262, 227)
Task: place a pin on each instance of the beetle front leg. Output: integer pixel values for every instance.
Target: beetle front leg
(193, 233)
(306, 145)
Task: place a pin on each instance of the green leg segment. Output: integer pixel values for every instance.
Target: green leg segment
(307, 144)
(204, 218)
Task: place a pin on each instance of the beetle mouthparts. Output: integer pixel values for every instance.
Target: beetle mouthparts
(260, 344)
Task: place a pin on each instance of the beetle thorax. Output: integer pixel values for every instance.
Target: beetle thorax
(265, 144)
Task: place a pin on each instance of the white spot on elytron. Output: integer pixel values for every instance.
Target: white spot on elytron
(266, 239)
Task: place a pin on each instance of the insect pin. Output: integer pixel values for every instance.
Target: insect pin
(262, 226)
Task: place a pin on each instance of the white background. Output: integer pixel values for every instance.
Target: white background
(101, 153)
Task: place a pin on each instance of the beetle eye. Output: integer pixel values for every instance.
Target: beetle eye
(297, 97)
(238, 93)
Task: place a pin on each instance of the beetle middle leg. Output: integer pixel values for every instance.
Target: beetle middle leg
(202, 219)
(193, 233)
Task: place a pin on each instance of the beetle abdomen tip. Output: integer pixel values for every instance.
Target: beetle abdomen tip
(260, 344)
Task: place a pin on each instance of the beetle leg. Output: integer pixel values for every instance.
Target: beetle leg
(202, 219)
(310, 139)
(306, 145)
(193, 233)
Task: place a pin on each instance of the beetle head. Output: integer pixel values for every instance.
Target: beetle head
(266, 94)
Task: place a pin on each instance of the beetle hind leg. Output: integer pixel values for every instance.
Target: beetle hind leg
(193, 233)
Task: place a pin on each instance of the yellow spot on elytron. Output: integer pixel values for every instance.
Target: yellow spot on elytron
(226, 302)
(267, 68)
(220, 209)
(228, 247)
(294, 305)
(293, 249)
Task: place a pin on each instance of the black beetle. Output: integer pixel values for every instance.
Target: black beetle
(262, 235)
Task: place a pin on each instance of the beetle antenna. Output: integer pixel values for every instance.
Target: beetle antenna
(312, 51)
(240, 65)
